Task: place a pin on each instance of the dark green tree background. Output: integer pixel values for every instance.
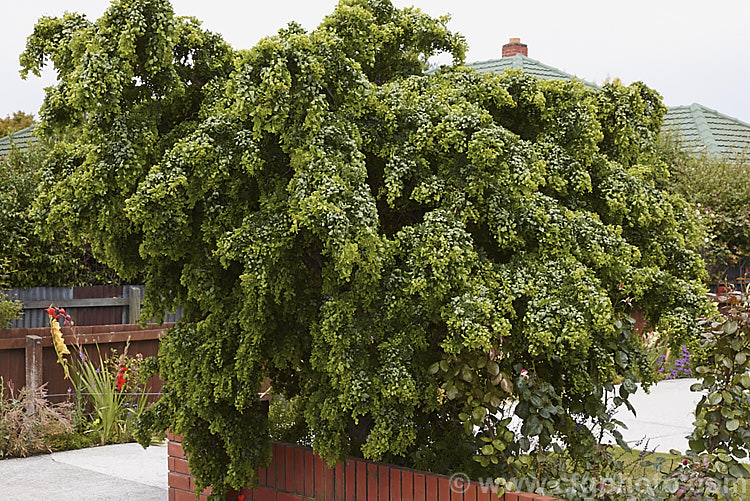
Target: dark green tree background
(391, 248)
(19, 120)
(719, 189)
(34, 252)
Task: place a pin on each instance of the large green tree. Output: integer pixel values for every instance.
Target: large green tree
(401, 252)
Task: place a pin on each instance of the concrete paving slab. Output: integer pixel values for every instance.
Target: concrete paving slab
(664, 416)
(121, 472)
(125, 461)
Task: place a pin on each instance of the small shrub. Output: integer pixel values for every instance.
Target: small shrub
(70, 441)
(22, 433)
(10, 309)
(722, 414)
(719, 189)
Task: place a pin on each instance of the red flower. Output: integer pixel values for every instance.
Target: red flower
(50, 311)
(121, 377)
(241, 497)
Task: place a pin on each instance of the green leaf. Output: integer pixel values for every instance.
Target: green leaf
(738, 471)
(524, 444)
(495, 401)
(740, 358)
(629, 385)
(730, 327)
(696, 445)
(506, 385)
(493, 368)
(622, 359)
(671, 485)
(733, 424)
(451, 392)
(478, 414)
(714, 398)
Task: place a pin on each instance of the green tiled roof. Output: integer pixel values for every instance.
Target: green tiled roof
(703, 130)
(21, 139)
(528, 65)
(699, 129)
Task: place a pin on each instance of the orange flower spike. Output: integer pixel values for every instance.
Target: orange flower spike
(57, 338)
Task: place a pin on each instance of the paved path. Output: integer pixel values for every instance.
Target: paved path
(664, 416)
(122, 472)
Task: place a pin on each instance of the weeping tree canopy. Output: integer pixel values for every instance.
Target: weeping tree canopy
(402, 252)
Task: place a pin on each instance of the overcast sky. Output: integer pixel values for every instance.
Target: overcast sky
(690, 51)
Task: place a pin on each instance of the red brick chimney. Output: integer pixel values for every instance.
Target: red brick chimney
(513, 47)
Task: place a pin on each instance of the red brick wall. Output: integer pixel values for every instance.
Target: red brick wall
(296, 474)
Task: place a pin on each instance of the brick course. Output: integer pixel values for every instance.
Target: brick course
(296, 474)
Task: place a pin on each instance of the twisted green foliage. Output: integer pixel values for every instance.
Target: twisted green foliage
(389, 247)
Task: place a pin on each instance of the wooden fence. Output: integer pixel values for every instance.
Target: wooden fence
(92, 305)
(105, 319)
(27, 357)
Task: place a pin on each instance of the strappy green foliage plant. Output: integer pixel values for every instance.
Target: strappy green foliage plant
(391, 248)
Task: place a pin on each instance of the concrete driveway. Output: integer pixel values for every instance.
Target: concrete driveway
(122, 472)
(664, 416)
